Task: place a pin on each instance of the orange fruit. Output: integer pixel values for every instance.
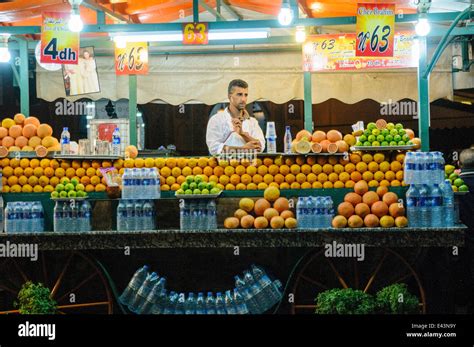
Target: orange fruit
(328, 185)
(268, 178)
(295, 185)
(322, 177)
(262, 186)
(367, 158)
(338, 168)
(267, 161)
(306, 169)
(399, 175)
(306, 185)
(328, 168)
(368, 176)
(333, 160)
(251, 170)
(284, 170)
(197, 170)
(395, 166)
(229, 186)
(344, 176)
(295, 169)
(176, 171)
(235, 179)
(333, 177)
(361, 167)
(356, 176)
(390, 176)
(349, 184)
(70, 172)
(355, 158)
(379, 157)
(300, 178)
(311, 178)
(395, 183)
(257, 179)
(290, 178)
(379, 175)
(373, 167)
(317, 185)
(316, 169)
(59, 172)
(224, 180)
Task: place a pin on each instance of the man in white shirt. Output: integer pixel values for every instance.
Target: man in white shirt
(233, 128)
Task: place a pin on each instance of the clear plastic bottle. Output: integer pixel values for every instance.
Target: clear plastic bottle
(287, 140)
(413, 206)
(86, 215)
(116, 143)
(419, 168)
(220, 306)
(425, 206)
(180, 305)
(162, 301)
(408, 168)
(139, 215)
(135, 283)
(200, 304)
(329, 211)
(156, 184)
(184, 215)
(210, 304)
(271, 144)
(301, 212)
(239, 301)
(229, 303)
(148, 217)
(436, 206)
(190, 306)
(125, 184)
(448, 204)
(147, 190)
(131, 222)
(121, 216)
(143, 291)
(65, 142)
(10, 219)
(20, 222)
(311, 213)
(36, 217)
(171, 301)
(212, 215)
(151, 299)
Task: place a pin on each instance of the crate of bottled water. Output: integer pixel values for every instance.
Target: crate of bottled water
(24, 217)
(314, 212)
(141, 183)
(72, 215)
(423, 168)
(136, 215)
(255, 293)
(198, 214)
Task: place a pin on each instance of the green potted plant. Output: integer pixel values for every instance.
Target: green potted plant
(345, 301)
(396, 299)
(35, 299)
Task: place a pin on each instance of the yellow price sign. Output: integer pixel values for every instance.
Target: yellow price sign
(195, 33)
(132, 60)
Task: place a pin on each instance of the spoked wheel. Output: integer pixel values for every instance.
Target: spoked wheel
(75, 281)
(380, 268)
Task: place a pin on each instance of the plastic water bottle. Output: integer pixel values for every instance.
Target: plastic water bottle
(161, 302)
(18, 213)
(180, 305)
(116, 142)
(148, 217)
(36, 217)
(10, 222)
(437, 206)
(441, 164)
(413, 206)
(408, 168)
(147, 192)
(121, 216)
(329, 211)
(311, 213)
(448, 204)
(143, 291)
(130, 207)
(184, 213)
(190, 306)
(270, 291)
(138, 215)
(152, 298)
(220, 307)
(425, 206)
(86, 215)
(172, 300)
(211, 215)
(125, 184)
(229, 303)
(239, 301)
(132, 288)
(200, 304)
(242, 287)
(155, 184)
(419, 167)
(210, 304)
(287, 140)
(301, 212)
(65, 141)
(1, 212)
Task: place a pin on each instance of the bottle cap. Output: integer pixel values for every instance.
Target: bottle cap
(271, 132)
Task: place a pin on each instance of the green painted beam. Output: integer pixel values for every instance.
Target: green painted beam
(24, 82)
(211, 10)
(232, 12)
(132, 108)
(196, 11)
(15, 72)
(308, 102)
(100, 15)
(244, 24)
(218, 8)
(423, 97)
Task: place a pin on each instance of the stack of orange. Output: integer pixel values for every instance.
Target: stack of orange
(369, 208)
(321, 142)
(26, 134)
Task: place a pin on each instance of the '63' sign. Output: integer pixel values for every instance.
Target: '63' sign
(195, 34)
(132, 60)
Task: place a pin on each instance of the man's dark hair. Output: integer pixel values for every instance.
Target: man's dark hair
(466, 158)
(237, 83)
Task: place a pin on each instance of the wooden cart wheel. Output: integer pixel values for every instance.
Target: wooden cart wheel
(77, 284)
(381, 268)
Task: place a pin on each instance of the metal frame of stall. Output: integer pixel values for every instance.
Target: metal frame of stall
(423, 71)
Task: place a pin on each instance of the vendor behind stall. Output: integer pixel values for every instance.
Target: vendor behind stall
(233, 128)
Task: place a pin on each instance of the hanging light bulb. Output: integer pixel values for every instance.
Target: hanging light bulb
(75, 22)
(285, 17)
(5, 55)
(422, 27)
(300, 34)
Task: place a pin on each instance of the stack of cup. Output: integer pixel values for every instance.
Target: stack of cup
(271, 138)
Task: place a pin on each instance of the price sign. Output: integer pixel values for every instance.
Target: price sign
(132, 60)
(375, 30)
(195, 33)
(59, 45)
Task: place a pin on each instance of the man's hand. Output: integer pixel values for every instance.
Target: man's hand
(253, 145)
(237, 124)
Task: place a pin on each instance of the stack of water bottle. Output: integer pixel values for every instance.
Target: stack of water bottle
(430, 198)
(72, 216)
(133, 215)
(147, 294)
(314, 212)
(27, 217)
(200, 214)
(141, 184)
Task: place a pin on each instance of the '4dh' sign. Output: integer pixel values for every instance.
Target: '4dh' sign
(59, 45)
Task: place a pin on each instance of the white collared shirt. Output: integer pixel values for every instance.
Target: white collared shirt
(219, 129)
